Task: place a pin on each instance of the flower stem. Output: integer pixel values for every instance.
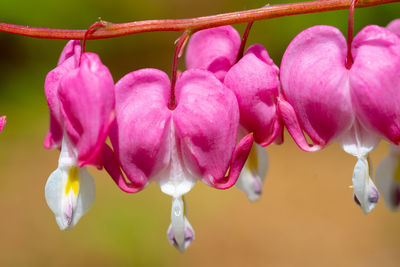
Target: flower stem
(92, 28)
(244, 40)
(349, 59)
(180, 45)
(194, 24)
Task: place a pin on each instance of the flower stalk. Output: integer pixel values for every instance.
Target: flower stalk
(192, 24)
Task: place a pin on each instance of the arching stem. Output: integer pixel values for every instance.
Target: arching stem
(92, 28)
(180, 45)
(349, 61)
(121, 29)
(244, 40)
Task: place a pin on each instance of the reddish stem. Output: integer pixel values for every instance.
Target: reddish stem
(349, 61)
(244, 40)
(180, 45)
(267, 12)
(92, 28)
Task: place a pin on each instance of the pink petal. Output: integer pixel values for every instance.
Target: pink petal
(315, 83)
(111, 164)
(2, 122)
(87, 103)
(394, 26)
(213, 49)
(140, 135)
(238, 160)
(71, 49)
(254, 80)
(375, 80)
(67, 62)
(206, 122)
(292, 124)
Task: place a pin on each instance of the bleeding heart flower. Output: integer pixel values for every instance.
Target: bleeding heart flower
(253, 80)
(214, 49)
(394, 26)
(81, 100)
(2, 122)
(355, 105)
(253, 173)
(388, 178)
(175, 148)
(388, 171)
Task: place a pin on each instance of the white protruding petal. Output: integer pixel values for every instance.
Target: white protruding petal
(253, 173)
(358, 141)
(189, 236)
(175, 180)
(70, 191)
(87, 195)
(364, 189)
(178, 222)
(388, 178)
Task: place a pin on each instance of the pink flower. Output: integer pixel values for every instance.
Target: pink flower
(2, 122)
(388, 171)
(354, 106)
(175, 148)
(388, 178)
(81, 102)
(254, 81)
(394, 26)
(214, 49)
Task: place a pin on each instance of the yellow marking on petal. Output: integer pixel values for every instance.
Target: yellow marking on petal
(252, 160)
(73, 181)
(396, 177)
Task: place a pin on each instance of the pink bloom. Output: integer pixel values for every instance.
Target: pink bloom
(330, 102)
(2, 122)
(214, 49)
(388, 178)
(253, 80)
(394, 26)
(81, 102)
(388, 171)
(175, 148)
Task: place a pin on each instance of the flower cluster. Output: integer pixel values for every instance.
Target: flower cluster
(218, 116)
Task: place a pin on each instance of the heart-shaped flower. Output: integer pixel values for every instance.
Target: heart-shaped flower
(80, 95)
(254, 81)
(175, 148)
(355, 105)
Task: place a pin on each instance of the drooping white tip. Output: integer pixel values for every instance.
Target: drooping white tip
(253, 173)
(180, 233)
(188, 239)
(365, 192)
(70, 191)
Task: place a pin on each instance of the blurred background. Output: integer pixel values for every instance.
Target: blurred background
(306, 216)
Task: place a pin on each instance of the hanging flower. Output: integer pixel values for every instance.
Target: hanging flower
(254, 81)
(394, 26)
(388, 171)
(175, 148)
(81, 100)
(388, 178)
(355, 106)
(2, 122)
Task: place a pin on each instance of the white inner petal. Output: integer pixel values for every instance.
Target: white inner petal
(364, 188)
(175, 180)
(178, 221)
(253, 173)
(70, 191)
(358, 141)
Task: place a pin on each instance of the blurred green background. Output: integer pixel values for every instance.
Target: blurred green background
(306, 216)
